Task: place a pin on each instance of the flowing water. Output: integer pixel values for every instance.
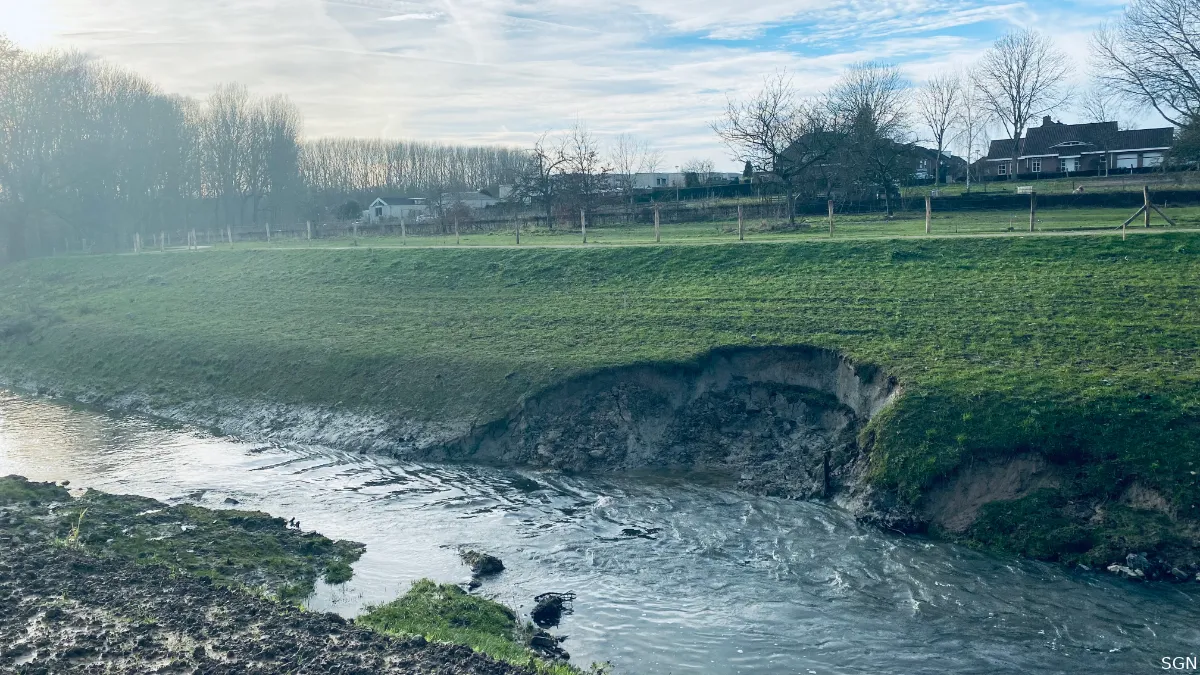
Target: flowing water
(672, 576)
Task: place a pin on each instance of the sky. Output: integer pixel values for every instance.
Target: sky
(505, 71)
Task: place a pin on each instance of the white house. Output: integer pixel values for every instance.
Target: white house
(473, 200)
(395, 208)
(649, 181)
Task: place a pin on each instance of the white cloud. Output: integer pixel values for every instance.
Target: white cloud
(503, 71)
(416, 16)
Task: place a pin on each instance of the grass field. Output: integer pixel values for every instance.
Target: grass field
(846, 227)
(1084, 348)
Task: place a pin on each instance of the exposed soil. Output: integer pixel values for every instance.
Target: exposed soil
(66, 611)
(783, 421)
(955, 504)
(780, 421)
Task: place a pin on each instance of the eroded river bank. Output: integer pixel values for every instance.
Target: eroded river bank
(670, 576)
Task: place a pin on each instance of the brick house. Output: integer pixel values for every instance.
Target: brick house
(1096, 149)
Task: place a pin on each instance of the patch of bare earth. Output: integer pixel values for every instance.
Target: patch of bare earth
(955, 503)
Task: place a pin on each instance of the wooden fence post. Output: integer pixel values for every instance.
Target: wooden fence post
(583, 224)
(928, 212)
(229, 231)
(457, 239)
(830, 205)
(518, 231)
(1146, 203)
(741, 226)
(162, 242)
(403, 231)
(1032, 209)
(656, 231)
(268, 226)
(308, 225)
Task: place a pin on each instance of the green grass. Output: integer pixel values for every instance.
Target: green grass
(859, 226)
(245, 548)
(446, 613)
(1084, 348)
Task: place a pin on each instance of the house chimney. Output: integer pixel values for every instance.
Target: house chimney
(1046, 121)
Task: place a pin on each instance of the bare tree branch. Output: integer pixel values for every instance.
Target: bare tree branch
(777, 133)
(1022, 76)
(938, 107)
(1152, 55)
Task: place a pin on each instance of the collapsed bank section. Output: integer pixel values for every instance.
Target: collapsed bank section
(1036, 396)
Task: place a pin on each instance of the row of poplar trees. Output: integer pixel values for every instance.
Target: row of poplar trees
(91, 154)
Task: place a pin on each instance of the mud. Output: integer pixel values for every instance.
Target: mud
(243, 548)
(782, 421)
(955, 504)
(66, 611)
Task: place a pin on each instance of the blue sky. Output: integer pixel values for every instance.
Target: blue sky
(504, 71)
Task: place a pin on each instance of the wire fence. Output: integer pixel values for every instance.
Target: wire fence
(705, 221)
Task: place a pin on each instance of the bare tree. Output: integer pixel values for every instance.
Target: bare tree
(1021, 77)
(1100, 103)
(584, 171)
(778, 134)
(93, 153)
(539, 180)
(972, 122)
(1152, 55)
(938, 105)
(283, 124)
(226, 137)
(871, 103)
(702, 169)
(628, 157)
(42, 124)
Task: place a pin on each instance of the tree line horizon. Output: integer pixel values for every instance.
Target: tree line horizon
(94, 152)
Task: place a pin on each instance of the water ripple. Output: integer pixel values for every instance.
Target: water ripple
(670, 576)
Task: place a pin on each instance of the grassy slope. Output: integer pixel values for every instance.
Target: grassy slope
(1084, 348)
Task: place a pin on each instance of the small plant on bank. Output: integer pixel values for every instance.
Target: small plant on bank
(73, 538)
(446, 613)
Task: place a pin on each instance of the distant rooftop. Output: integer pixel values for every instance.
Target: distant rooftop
(1056, 138)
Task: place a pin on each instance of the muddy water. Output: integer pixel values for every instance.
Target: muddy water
(671, 576)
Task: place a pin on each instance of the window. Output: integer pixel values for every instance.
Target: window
(1152, 159)
(1071, 164)
(1127, 161)
(378, 211)
(1001, 169)
(1036, 165)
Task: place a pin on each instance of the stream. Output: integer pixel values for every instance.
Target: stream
(672, 575)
